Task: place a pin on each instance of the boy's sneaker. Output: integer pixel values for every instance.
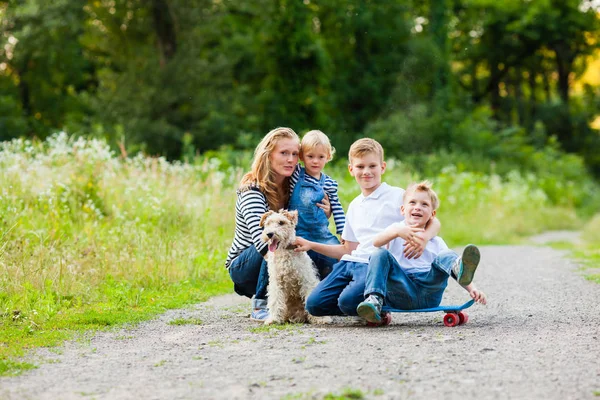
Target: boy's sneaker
(464, 267)
(259, 315)
(370, 309)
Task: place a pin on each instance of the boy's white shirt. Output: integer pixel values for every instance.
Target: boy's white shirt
(369, 216)
(414, 265)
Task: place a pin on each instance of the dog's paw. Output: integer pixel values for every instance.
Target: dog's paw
(269, 321)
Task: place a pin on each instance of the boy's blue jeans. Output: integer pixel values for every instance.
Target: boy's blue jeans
(250, 276)
(408, 291)
(340, 292)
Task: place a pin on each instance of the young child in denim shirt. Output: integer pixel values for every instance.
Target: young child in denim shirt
(311, 186)
(408, 284)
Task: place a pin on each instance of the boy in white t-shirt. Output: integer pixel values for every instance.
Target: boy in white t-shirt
(368, 214)
(403, 283)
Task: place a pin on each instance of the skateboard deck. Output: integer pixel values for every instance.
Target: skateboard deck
(448, 308)
(454, 314)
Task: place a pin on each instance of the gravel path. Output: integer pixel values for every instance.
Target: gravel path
(538, 338)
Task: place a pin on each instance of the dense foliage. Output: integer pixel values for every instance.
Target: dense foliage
(174, 77)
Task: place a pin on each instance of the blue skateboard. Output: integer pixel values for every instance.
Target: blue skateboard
(454, 314)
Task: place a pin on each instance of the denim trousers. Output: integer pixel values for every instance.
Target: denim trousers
(250, 276)
(340, 292)
(408, 291)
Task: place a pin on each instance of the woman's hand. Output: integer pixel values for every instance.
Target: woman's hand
(325, 205)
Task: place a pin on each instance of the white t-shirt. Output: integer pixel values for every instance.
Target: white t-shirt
(413, 265)
(369, 216)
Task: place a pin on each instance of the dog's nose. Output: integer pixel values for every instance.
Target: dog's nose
(270, 235)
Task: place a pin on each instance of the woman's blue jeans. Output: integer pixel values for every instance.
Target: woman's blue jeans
(250, 276)
(408, 291)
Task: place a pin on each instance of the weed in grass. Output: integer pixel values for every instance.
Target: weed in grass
(14, 368)
(273, 329)
(560, 245)
(186, 321)
(298, 360)
(378, 392)
(160, 363)
(347, 394)
(299, 396)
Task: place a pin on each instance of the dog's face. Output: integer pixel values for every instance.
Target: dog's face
(279, 228)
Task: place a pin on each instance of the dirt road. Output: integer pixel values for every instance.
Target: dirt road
(538, 338)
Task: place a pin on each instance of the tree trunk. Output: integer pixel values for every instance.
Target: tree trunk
(564, 62)
(517, 82)
(164, 26)
(24, 92)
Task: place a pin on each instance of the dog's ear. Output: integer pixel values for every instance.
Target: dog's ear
(264, 217)
(292, 216)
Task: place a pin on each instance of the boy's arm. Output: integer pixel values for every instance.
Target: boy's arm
(415, 247)
(475, 293)
(394, 231)
(330, 250)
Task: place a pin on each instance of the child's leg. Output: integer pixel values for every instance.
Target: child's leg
(324, 298)
(462, 268)
(433, 283)
(381, 263)
(387, 279)
(353, 294)
(323, 263)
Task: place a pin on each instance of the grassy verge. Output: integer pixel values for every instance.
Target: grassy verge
(588, 252)
(90, 241)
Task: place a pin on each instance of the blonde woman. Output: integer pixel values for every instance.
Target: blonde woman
(265, 187)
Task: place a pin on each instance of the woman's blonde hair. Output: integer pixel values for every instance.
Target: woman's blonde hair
(261, 175)
(312, 139)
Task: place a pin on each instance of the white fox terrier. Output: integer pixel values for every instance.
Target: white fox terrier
(292, 274)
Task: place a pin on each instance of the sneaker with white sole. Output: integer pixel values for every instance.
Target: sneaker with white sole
(464, 267)
(260, 314)
(370, 309)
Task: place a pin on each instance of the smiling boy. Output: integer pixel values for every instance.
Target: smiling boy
(368, 215)
(399, 282)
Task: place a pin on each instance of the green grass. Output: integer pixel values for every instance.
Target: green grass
(186, 321)
(275, 328)
(587, 253)
(90, 241)
(347, 394)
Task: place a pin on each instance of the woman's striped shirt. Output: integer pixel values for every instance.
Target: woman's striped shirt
(251, 204)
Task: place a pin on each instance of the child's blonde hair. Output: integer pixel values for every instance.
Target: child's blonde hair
(314, 138)
(423, 186)
(261, 174)
(365, 146)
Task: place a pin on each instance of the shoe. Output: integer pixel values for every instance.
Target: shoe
(464, 267)
(370, 309)
(259, 315)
